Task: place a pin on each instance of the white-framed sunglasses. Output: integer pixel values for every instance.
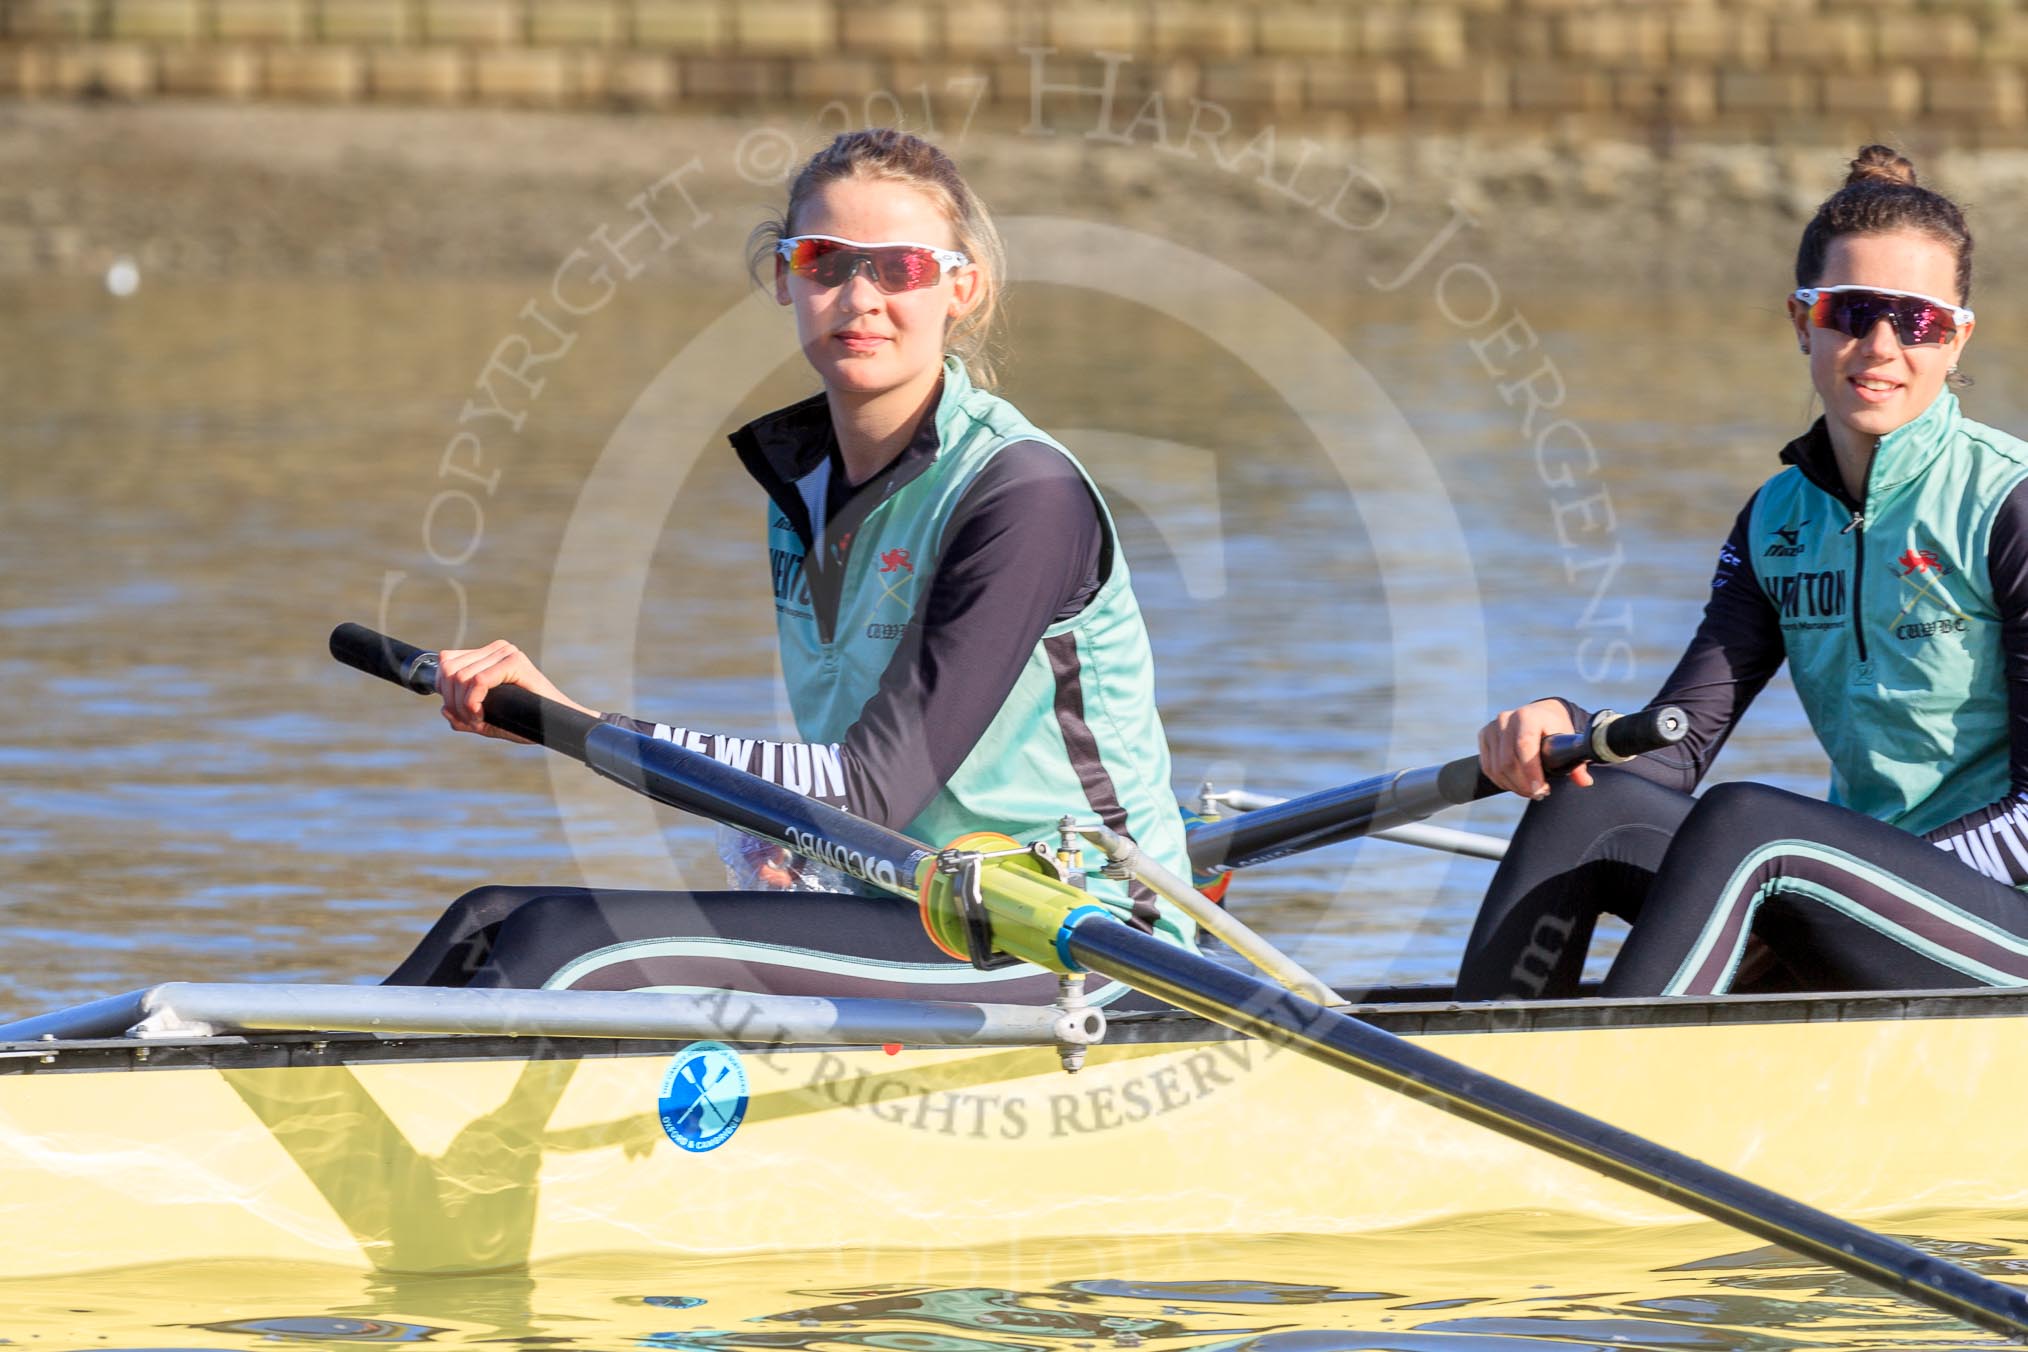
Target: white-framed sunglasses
(897, 265)
(1856, 310)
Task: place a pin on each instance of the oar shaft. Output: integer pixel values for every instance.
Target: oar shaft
(686, 779)
(1329, 816)
(1384, 801)
(1248, 1005)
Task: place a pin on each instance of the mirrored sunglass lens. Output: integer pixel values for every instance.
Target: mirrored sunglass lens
(1921, 322)
(828, 263)
(918, 267)
(816, 259)
(1916, 322)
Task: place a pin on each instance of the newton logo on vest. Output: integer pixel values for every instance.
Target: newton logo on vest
(1810, 596)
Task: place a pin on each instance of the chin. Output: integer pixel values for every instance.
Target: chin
(1877, 420)
(860, 377)
(863, 375)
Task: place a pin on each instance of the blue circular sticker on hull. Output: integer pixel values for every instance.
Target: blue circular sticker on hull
(703, 1096)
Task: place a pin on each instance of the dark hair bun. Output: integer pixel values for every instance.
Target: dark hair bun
(1880, 164)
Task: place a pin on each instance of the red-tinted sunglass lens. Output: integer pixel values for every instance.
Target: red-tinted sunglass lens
(828, 263)
(820, 260)
(904, 269)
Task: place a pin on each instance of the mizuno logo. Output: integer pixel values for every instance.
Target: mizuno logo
(1789, 543)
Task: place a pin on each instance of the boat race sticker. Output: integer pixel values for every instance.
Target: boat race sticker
(703, 1096)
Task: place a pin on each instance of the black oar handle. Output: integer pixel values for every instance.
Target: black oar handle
(1351, 810)
(388, 658)
(508, 707)
(1611, 737)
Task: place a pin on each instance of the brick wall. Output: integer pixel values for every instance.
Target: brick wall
(1810, 68)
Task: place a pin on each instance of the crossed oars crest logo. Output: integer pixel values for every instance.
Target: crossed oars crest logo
(1924, 566)
(895, 561)
(703, 1097)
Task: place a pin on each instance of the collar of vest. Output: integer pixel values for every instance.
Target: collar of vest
(781, 447)
(1899, 459)
(790, 442)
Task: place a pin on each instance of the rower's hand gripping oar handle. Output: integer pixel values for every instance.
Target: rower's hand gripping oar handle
(1610, 739)
(1384, 801)
(508, 707)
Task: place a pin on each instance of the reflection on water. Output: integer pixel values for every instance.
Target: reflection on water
(198, 482)
(1490, 1284)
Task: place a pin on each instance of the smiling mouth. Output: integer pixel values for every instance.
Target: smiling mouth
(1872, 389)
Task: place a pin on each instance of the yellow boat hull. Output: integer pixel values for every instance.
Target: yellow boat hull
(425, 1156)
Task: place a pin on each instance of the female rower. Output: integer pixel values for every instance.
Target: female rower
(959, 637)
(1888, 565)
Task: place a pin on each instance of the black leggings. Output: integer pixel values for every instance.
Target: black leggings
(1841, 901)
(768, 943)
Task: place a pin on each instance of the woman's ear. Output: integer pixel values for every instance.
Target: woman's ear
(1799, 317)
(967, 284)
(781, 281)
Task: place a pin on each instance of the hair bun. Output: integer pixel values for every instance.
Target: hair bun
(1880, 164)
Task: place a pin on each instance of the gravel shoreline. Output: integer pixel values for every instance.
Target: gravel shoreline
(210, 190)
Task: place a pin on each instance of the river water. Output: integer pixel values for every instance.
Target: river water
(1348, 546)
(1506, 1283)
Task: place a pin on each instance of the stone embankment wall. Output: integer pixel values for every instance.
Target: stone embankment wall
(1813, 70)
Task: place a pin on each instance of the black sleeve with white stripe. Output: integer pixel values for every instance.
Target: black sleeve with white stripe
(1994, 839)
(1024, 548)
(1736, 649)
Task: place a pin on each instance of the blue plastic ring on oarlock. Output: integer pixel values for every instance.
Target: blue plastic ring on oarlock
(1071, 922)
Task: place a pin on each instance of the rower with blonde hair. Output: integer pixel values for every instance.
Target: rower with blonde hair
(959, 634)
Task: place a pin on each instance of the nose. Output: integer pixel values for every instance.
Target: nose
(1882, 340)
(861, 291)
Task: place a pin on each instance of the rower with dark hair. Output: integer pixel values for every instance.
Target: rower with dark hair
(959, 635)
(1888, 566)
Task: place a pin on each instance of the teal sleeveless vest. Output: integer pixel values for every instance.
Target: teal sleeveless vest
(1080, 723)
(1888, 617)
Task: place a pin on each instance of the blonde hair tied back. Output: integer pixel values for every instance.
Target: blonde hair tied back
(885, 155)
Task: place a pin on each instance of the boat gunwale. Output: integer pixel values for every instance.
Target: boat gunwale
(1403, 1017)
